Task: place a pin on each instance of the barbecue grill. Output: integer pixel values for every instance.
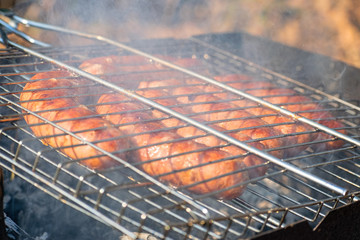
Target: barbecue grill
(300, 188)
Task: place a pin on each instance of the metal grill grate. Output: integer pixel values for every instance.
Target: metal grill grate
(131, 201)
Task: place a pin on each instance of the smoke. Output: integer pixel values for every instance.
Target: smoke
(122, 20)
(42, 215)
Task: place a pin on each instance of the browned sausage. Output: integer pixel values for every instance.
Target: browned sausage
(226, 115)
(116, 64)
(292, 101)
(112, 69)
(166, 155)
(229, 120)
(287, 126)
(55, 99)
(282, 124)
(208, 140)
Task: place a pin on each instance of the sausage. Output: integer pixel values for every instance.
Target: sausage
(112, 69)
(292, 101)
(227, 116)
(222, 115)
(116, 64)
(164, 154)
(208, 140)
(284, 125)
(314, 112)
(54, 97)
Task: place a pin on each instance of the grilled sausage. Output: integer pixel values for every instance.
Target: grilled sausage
(297, 134)
(112, 69)
(292, 101)
(229, 120)
(164, 154)
(208, 140)
(115, 64)
(227, 116)
(54, 97)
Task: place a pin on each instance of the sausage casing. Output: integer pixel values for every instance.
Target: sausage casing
(56, 99)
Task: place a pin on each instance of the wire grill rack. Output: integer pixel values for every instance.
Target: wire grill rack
(306, 187)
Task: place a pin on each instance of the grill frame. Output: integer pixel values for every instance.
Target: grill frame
(204, 225)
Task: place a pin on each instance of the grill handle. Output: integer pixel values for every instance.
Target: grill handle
(11, 27)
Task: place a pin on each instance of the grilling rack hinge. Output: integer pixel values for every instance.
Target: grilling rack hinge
(11, 26)
(225, 137)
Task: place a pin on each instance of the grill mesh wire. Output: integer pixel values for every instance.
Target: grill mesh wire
(123, 197)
